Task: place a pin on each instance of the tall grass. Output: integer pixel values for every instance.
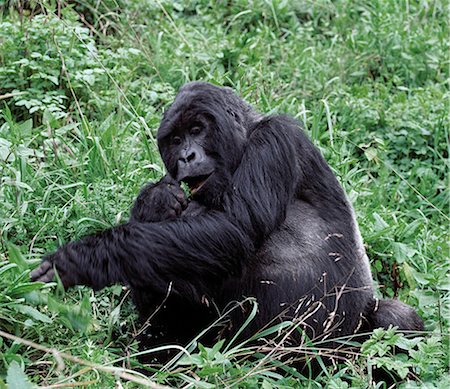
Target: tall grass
(82, 89)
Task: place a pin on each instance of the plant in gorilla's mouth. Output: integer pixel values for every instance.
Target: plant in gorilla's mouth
(196, 183)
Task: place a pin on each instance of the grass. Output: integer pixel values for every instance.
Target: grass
(82, 90)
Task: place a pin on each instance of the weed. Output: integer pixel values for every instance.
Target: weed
(83, 85)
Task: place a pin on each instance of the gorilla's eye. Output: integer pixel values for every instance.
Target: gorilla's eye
(195, 130)
(175, 140)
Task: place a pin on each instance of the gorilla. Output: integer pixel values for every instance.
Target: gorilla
(266, 218)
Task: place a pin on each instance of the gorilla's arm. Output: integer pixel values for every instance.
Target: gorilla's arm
(193, 252)
(189, 252)
(265, 181)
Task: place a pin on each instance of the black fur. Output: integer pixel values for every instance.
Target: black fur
(271, 222)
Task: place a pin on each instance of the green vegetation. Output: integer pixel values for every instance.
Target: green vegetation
(82, 88)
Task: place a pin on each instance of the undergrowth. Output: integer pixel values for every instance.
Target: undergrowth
(83, 85)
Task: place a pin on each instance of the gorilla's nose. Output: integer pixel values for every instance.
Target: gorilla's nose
(188, 157)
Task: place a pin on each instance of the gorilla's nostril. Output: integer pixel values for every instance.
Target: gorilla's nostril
(190, 157)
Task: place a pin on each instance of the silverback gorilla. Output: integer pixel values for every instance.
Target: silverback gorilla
(266, 218)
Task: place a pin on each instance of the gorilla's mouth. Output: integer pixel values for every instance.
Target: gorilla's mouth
(195, 183)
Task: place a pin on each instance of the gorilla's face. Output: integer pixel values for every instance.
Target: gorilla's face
(188, 146)
(202, 138)
(187, 152)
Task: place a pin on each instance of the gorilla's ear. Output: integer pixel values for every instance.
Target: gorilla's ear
(241, 124)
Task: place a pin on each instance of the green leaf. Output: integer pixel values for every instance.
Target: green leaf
(409, 276)
(77, 317)
(53, 79)
(25, 288)
(276, 328)
(371, 153)
(402, 252)
(194, 359)
(16, 378)
(217, 347)
(25, 127)
(32, 312)
(5, 151)
(380, 224)
(15, 256)
(266, 385)
(6, 268)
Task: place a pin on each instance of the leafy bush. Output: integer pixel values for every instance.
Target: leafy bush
(53, 64)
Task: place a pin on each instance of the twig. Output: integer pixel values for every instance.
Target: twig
(121, 373)
(9, 95)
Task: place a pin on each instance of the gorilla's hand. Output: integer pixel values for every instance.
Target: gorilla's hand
(82, 262)
(45, 272)
(164, 200)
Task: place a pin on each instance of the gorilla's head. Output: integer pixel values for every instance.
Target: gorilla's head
(202, 138)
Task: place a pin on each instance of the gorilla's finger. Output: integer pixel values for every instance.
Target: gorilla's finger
(172, 214)
(179, 196)
(42, 269)
(48, 277)
(177, 208)
(182, 200)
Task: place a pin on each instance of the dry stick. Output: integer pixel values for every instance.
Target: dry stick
(70, 385)
(9, 95)
(157, 309)
(64, 381)
(121, 373)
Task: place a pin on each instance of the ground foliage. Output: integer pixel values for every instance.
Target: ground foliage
(82, 88)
